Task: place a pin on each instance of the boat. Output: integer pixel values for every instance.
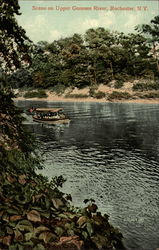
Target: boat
(50, 116)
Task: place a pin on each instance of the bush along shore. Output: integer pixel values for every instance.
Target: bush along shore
(114, 91)
(34, 213)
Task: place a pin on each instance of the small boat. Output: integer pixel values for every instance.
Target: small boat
(50, 116)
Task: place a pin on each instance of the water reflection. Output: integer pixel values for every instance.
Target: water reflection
(109, 152)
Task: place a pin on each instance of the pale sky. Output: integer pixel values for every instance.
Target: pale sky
(54, 23)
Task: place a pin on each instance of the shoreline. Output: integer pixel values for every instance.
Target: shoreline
(89, 99)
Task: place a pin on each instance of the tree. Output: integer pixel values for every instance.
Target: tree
(15, 44)
(14, 50)
(152, 32)
(20, 78)
(136, 53)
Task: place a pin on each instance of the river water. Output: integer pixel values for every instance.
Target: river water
(109, 152)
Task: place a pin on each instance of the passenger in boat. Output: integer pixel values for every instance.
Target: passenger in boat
(32, 109)
(39, 115)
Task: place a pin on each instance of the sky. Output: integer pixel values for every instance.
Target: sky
(50, 20)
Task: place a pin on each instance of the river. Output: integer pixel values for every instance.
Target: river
(109, 152)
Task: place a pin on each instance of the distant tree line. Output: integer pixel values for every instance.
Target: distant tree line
(96, 57)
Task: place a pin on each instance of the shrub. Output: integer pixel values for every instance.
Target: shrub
(122, 77)
(35, 214)
(119, 95)
(33, 94)
(92, 90)
(76, 96)
(99, 95)
(58, 89)
(142, 86)
(118, 84)
(151, 95)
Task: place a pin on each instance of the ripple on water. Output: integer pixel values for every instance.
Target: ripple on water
(109, 152)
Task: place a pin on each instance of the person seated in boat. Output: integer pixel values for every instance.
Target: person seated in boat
(54, 115)
(40, 115)
(61, 114)
(31, 110)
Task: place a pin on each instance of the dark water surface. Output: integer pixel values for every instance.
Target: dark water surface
(109, 152)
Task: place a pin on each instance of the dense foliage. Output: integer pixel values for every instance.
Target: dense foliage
(34, 214)
(13, 135)
(38, 94)
(14, 44)
(152, 33)
(97, 57)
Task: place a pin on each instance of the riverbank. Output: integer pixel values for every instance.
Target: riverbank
(103, 93)
(55, 98)
(90, 99)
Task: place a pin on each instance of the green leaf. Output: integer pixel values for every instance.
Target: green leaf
(39, 209)
(24, 225)
(40, 229)
(28, 244)
(12, 224)
(34, 216)
(9, 230)
(5, 217)
(16, 246)
(47, 237)
(46, 215)
(28, 236)
(89, 228)
(47, 203)
(39, 247)
(12, 211)
(59, 231)
(85, 234)
(69, 225)
(57, 203)
(63, 216)
(72, 216)
(82, 221)
(70, 232)
(18, 236)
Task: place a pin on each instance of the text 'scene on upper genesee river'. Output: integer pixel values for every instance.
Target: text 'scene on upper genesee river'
(95, 8)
